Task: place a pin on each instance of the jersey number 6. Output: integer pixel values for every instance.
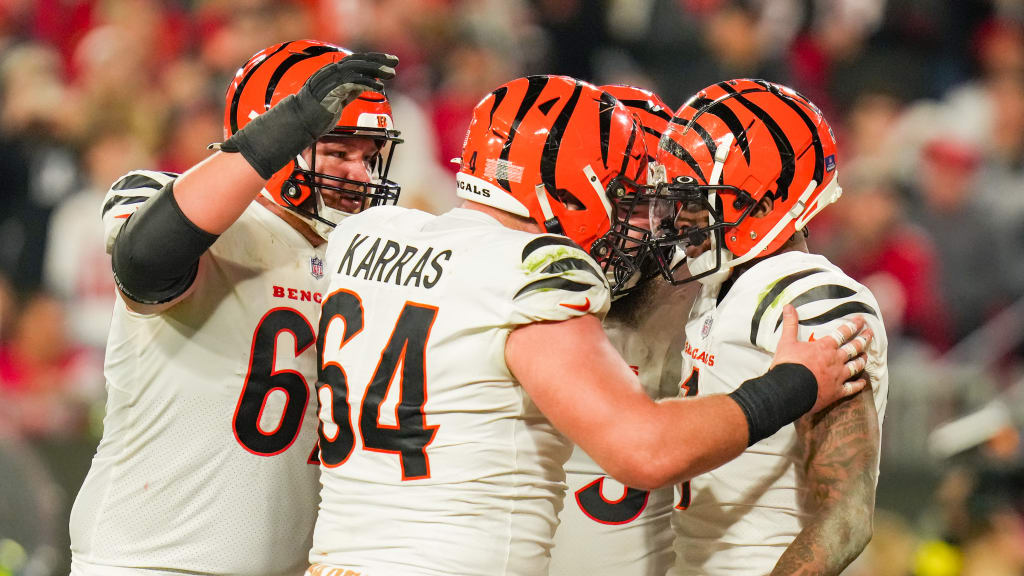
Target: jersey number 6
(406, 346)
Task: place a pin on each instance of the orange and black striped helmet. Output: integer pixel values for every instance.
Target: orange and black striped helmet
(550, 148)
(628, 265)
(282, 69)
(650, 110)
(731, 145)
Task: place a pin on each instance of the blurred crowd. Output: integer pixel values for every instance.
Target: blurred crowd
(926, 97)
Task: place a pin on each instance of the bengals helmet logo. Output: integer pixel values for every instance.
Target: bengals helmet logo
(382, 121)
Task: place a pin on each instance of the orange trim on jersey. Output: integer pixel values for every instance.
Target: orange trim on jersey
(325, 570)
(263, 406)
(387, 392)
(323, 364)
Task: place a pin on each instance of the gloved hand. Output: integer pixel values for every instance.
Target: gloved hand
(272, 139)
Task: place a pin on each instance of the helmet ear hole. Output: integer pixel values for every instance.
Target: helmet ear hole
(569, 200)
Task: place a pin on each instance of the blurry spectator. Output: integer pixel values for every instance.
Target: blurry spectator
(689, 44)
(896, 260)
(973, 275)
(869, 130)
(732, 38)
(37, 165)
(189, 131)
(994, 544)
(8, 308)
(232, 30)
(77, 267)
(47, 385)
(426, 184)
(472, 67)
(891, 550)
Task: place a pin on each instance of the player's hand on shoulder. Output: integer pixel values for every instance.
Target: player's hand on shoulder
(836, 360)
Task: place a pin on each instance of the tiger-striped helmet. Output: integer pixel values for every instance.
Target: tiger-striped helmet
(282, 69)
(730, 146)
(650, 110)
(552, 149)
(628, 264)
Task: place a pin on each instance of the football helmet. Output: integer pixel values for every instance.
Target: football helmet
(628, 264)
(728, 148)
(553, 149)
(281, 70)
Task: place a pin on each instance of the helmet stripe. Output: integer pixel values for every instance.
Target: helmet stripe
(287, 63)
(719, 109)
(549, 157)
(605, 124)
(674, 148)
(646, 105)
(625, 157)
(785, 148)
(499, 95)
(709, 142)
(819, 154)
(534, 87)
(241, 86)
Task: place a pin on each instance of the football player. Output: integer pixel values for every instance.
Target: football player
(605, 527)
(456, 350)
(747, 164)
(208, 460)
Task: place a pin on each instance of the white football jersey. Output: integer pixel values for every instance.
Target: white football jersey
(606, 528)
(739, 518)
(435, 460)
(207, 462)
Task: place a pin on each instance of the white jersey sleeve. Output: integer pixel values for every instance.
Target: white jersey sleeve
(558, 281)
(739, 518)
(126, 196)
(824, 298)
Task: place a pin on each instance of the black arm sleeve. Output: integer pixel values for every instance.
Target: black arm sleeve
(156, 254)
(779, 397)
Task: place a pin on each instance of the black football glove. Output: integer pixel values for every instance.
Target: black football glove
(274, 138)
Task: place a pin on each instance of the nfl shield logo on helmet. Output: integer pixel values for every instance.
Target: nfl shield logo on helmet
(706, 329)
(316, 267)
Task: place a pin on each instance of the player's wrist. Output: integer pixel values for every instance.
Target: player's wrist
(272, 139)
(779, 397)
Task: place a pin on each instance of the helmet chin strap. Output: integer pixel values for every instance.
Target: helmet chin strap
(323, 210)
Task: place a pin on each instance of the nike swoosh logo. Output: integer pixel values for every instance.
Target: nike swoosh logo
(579, 307)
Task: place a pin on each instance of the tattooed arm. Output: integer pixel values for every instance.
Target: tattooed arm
(841, 448)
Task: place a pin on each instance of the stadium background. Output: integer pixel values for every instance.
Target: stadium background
(926, 98)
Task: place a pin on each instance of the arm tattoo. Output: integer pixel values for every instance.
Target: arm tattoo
(840, 453)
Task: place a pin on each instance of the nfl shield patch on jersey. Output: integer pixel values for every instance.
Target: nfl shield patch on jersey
(706, 329)
(316, 267)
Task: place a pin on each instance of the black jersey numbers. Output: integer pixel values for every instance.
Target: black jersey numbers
(406, 347)
(263, 379)
(625, 509)
(336, 436)
(410, 437)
